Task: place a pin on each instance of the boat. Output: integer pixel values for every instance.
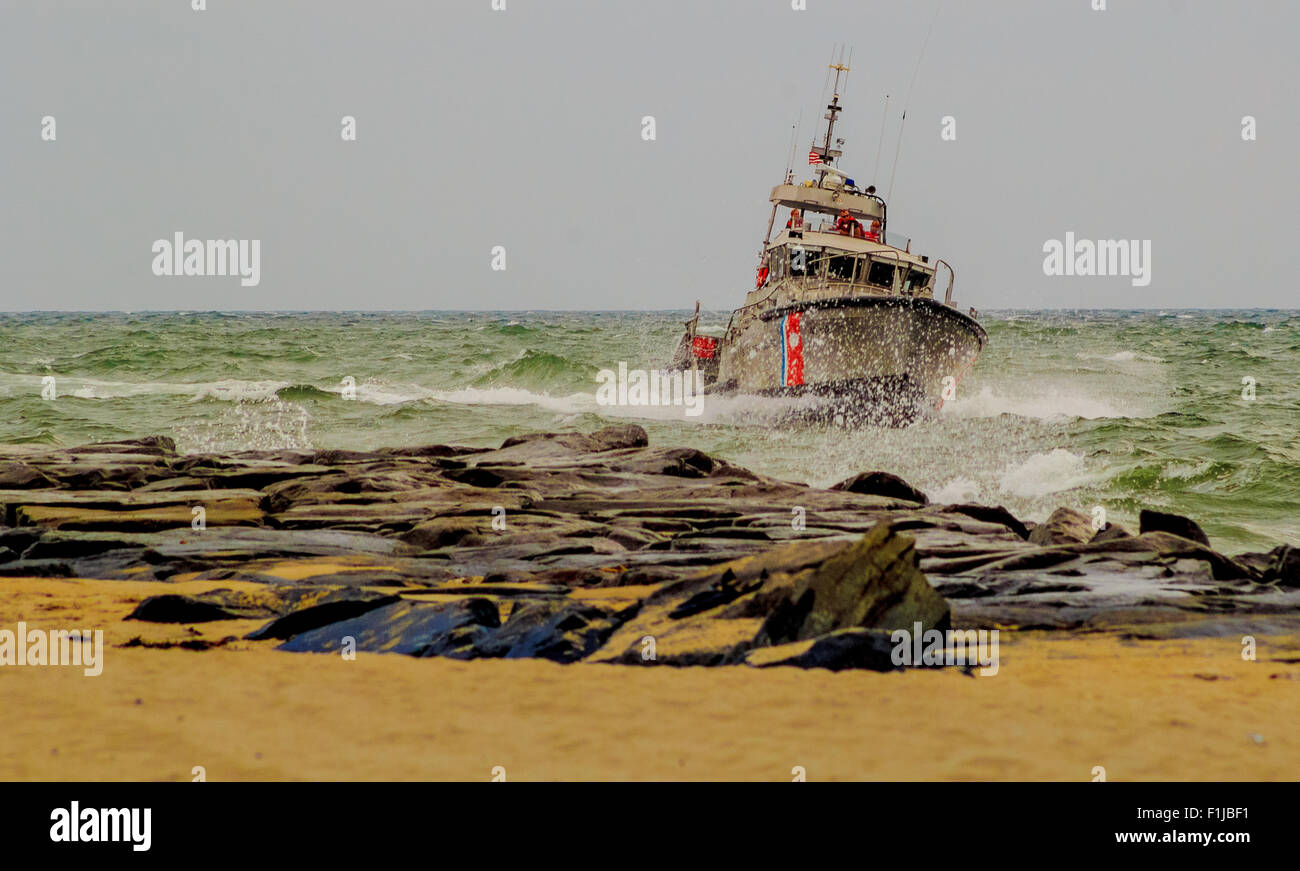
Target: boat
(841, 309)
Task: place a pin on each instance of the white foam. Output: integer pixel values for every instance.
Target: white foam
(956, 491)
(1042, 474)
(1119, 357)
(574, 403)
(1044, 404)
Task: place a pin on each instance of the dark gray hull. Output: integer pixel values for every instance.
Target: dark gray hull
(878, 358)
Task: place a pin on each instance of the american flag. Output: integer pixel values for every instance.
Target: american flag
(814, 157)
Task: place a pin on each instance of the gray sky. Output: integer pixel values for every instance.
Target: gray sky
(523, 128)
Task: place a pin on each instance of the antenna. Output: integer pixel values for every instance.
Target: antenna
(789, 164)
(908, 100)
(880, 144)
(889, 196)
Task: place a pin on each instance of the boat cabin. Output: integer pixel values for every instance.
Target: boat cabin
(815, 254)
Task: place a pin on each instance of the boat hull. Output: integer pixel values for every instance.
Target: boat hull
(885, 359)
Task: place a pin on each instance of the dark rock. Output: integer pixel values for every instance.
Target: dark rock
(67, 547)
(1158, 521)
(1065, 526)
(614, 438)
(322, 614)
(841, 649)
(430, 451)
(161, 445)
(440, 532)
(557, 630)
(727, 589)
(474, 477)
(882, 484)
(989, 514)
(874, 583)
(1111, 532)
(1281, 564)
(688, 463)
(610, 438)
(171, 608)
(20, 476)
(402, 627)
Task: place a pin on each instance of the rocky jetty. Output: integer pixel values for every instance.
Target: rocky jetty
(601, 548)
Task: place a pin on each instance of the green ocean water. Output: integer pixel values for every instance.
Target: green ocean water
(1123, 410)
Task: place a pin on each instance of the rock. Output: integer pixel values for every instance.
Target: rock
(229, 512)
(841, 649)
(874, 584)
(611, 551)
(555, 630)
(1281, 564)
(1111, 532)
(171, 608)
(1065, 526)
(1158, 521)
(440, 532)
(988, 514)
(402, 627)
(610, 438)
(475, 477)
(20, 476)
(1286, 566)
(324, 613)
(882, 484)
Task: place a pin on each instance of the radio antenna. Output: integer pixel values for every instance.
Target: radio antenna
(908, 99)
(880, 144)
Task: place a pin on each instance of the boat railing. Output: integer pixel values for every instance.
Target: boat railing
(952, 277)
(815, 284)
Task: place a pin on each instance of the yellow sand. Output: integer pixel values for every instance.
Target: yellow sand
(1190, 710)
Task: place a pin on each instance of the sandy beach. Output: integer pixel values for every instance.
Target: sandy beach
(1059, 706)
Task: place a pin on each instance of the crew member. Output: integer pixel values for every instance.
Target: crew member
(847, 225)
(796, 220)
(874, 235)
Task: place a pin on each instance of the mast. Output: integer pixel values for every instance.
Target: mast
(828, 154)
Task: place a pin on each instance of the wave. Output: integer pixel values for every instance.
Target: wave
(539, 369)
(1043, 474)
(1047, 405)
(1119, 357)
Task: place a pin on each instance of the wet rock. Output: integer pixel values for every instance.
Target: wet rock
(475, 476)
(1110, 532)
(556, 630)
(335, 609)
(171, 608)
(611, 438)
(882, 484)
(996, 514)
(841, 649)
(402, 627)
(1176, 524)
(874, 583)
(1280, 565)
(792, 592)
(669, 552)
(20, 476)
(441, 532)
(1065, 526)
